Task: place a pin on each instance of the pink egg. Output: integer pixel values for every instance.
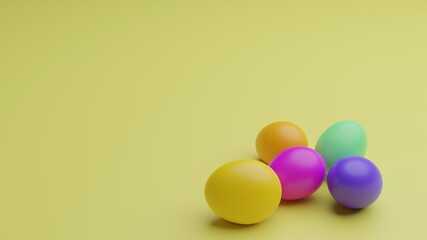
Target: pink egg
(301, 171)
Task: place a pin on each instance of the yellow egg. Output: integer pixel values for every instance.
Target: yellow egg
(277, 137)
(243, 191)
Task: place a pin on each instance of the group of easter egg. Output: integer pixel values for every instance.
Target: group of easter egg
(248, 191)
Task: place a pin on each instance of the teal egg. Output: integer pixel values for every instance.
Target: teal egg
(343, 139)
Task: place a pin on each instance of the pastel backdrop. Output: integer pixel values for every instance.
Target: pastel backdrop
(114, 113)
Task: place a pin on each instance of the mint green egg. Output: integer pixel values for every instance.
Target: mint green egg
(343, 139)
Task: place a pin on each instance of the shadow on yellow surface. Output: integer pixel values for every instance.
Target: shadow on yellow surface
(341, 210)
(223, 224)
(336, 208)
(299, 202)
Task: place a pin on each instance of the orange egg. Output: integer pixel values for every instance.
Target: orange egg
(276, 137)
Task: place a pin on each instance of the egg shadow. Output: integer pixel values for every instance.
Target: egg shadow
(223, 224)
(344, 211)
(298, 202)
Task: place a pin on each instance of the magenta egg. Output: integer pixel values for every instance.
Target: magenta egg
(301, 171)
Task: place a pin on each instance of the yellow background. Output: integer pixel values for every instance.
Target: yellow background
(114, 113)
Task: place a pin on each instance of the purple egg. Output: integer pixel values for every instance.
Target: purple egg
(355, 182)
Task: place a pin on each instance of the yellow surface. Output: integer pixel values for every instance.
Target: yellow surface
(113, 114)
